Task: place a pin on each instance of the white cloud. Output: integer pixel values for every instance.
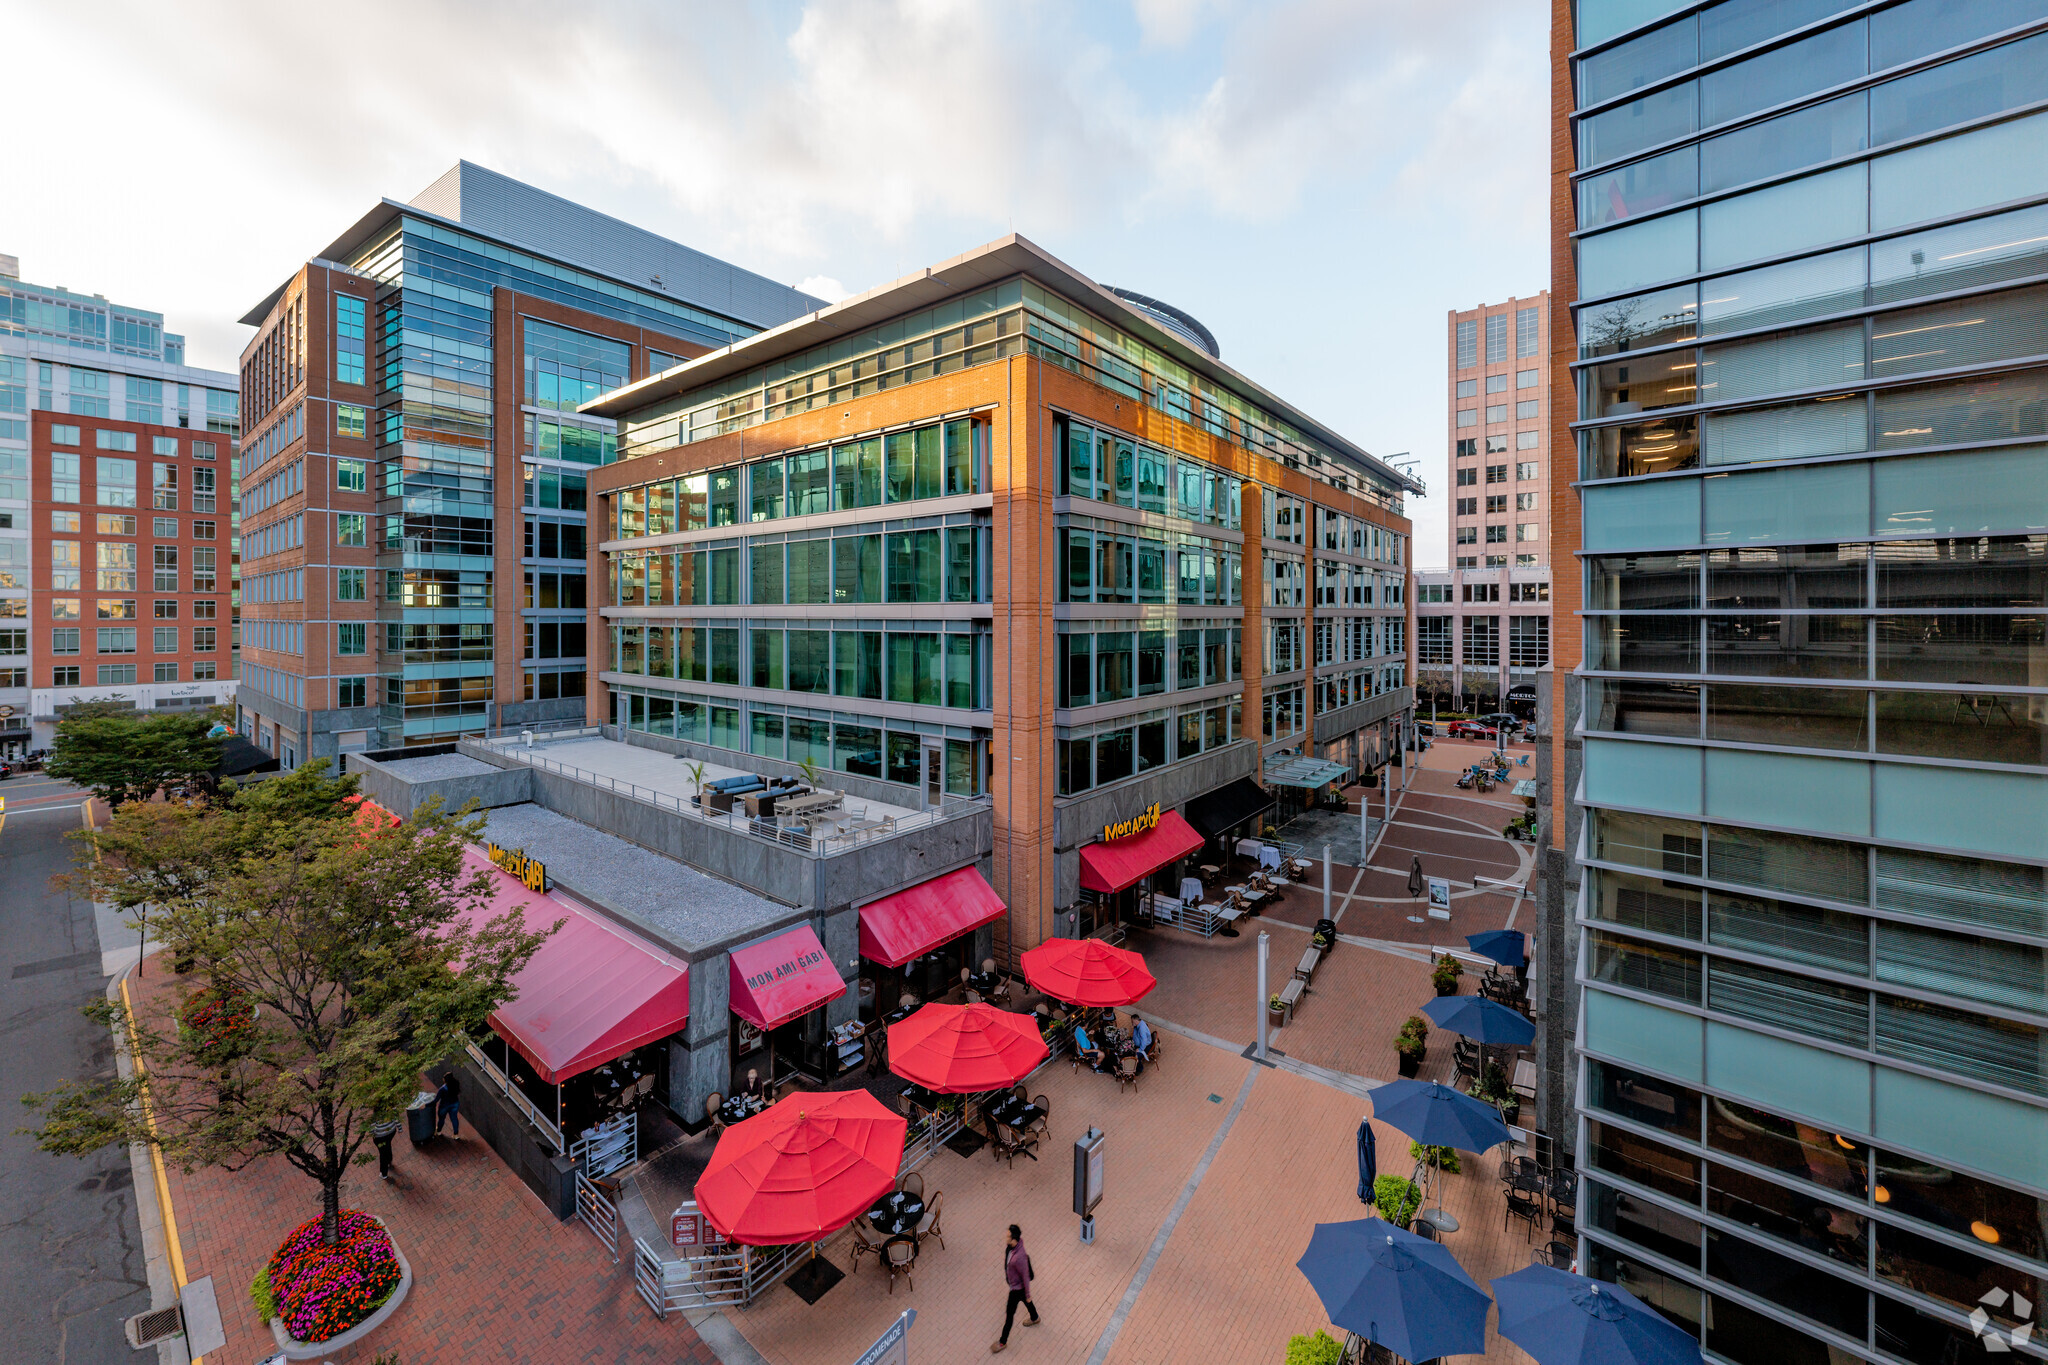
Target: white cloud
(823, 287)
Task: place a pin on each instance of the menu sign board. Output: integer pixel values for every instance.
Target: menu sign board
(689, 1229)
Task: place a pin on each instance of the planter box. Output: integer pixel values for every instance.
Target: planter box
(1410, 1064)
(294, 1349)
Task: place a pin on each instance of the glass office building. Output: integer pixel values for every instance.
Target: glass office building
(1806, 790)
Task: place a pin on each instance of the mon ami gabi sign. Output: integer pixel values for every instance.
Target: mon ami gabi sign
(1137, 824)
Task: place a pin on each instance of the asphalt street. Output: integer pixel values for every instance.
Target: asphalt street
(71, 1260)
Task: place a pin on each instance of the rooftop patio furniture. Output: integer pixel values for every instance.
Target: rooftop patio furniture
(900, 1254)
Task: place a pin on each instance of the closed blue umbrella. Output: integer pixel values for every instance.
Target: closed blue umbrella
(1480, 1019)
(1438, 1116)
(1505, 946)
(1390, 1286)
(1368, 1161)
(1565, 1319)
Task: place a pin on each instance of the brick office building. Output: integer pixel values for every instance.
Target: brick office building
(416, 467)
(1103, 589)
(132, 534)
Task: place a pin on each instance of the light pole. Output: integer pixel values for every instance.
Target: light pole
(1265, 948)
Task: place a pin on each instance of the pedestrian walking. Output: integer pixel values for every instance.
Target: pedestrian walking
(448, 1105)
(381, 1134)
(1017, 1271)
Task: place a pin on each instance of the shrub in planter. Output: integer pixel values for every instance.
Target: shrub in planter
(319, 1291)
(1446, 1157)
(1411, 1043)
(260, 1296)
(1320, 1348)
(1397, 1198)
(1444, 976)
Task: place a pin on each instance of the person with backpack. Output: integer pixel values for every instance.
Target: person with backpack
(448, 1105)
(1017, 1271)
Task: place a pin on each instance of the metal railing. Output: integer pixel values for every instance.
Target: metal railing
(512, 1092)
(730, 1277)
(612, 1146)
(928, 1134)
(862, 831)
(598, 1213)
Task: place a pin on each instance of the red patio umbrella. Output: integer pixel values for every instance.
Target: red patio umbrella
(1088, 972)
(965, 1049)
(808, 1166)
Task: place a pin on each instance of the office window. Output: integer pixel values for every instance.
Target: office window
(202, 530)
(1526, 379)
(64, 640)
(350, 637)
(115, 639)
(203, 638)
(1526, 334)
(164, 640)
(202, 490)
(165, 566)
(203, 568)
(1496, 502)
(116, 566)
(64, 609)
(1497, 383)
(1482, 641)
(1468, 535)
(1496, 412)
(164, 672)
(1496, 535)
(1527, 469)
(1496, 338)
(1467, 477)
(116, 675)
(114, 440)
(205, 670)
(351, 528)
(1468, 445)
(64, 677)
(203, 611)
(349, 331)
(1528, 592)
(349, 585)
(351, 692)
(63, 434)
(1525, 502)
(1496, 473)
(64, 523)
(163, 487)
(13, 643)
(116, 481)
(1468, 417)
(165, 610)
(1529, 642)
(1468, 561)
(164, 528)
(162, 445)
(202, 450)
(1468, 344)
(1468, 507)
(350, 420)
(351, 475)
(1527, 530)
(1525, 561)
(1468, 388)
(1528, 409)
(1497, 445)
(1527, 440)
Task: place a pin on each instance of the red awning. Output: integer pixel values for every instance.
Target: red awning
(777, 979)
(897, 928)
(1124, 862)
(592, 993)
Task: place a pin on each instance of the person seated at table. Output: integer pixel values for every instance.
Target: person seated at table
(754, 1089)
(1141, 1034)
(1085, 1048)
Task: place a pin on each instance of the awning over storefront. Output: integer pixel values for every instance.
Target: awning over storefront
(1112, 866)
(592, 993)
(1302, 771)
(779, 978)
(1229, 806)
(910, 923)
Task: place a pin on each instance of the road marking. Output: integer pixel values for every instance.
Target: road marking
(1187, 1193)
(156, 1155)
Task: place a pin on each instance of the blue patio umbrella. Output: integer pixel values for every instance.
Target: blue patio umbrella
(1505, 946)
(1565, 1319)
(1480, 1019)
(1368, 1160)
(1438, 1116)
(1390, 1286)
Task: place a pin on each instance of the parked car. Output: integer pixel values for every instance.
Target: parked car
(1472, 729)
(1505, 720)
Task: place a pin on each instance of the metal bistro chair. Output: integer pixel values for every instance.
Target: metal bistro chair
(1126, 1070)
(900, 1255)
(928, 1226)
(863, 1245)
(912, 1184)
(714, 1105)
(1525, 1206)
(1152, 1052)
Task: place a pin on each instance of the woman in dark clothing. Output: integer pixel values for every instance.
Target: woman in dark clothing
(448, 1105)
(1017, 1272)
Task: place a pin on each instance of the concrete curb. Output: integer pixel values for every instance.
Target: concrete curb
(156, 1250)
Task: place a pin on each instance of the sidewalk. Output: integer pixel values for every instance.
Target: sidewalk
(496, 1278)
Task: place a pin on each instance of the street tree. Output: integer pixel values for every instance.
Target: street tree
(125, 756)
(331, 961)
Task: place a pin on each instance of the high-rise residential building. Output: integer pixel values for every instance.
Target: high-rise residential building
(117, 522)
(1799, 841)
(1482, 624)
(993, 532)
(418, 473)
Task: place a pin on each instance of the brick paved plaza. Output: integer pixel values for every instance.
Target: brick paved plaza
(1218, 1170)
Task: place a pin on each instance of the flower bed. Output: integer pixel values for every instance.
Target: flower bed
(220, 1025)
(322, 1291)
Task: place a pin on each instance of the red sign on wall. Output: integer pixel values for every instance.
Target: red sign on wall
(687, 1228)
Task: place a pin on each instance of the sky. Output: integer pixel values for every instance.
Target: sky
(1319, 181)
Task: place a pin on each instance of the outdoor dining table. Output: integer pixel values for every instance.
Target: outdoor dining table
(897, 1214)
(1015, 1113)
(982, 982)
(741, 1107)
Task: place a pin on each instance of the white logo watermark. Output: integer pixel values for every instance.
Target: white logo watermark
(1994, 1340)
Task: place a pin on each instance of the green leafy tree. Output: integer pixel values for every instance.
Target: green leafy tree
(332, 962)
(125, 756)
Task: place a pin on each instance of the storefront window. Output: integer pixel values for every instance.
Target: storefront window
(857, 749)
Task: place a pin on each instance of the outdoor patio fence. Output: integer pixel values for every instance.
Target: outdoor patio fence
(512, 1092)
(731, 1277)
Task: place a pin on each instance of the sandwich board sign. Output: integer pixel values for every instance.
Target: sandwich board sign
(1439, 898)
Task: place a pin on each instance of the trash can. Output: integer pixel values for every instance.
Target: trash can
(419, 1118)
